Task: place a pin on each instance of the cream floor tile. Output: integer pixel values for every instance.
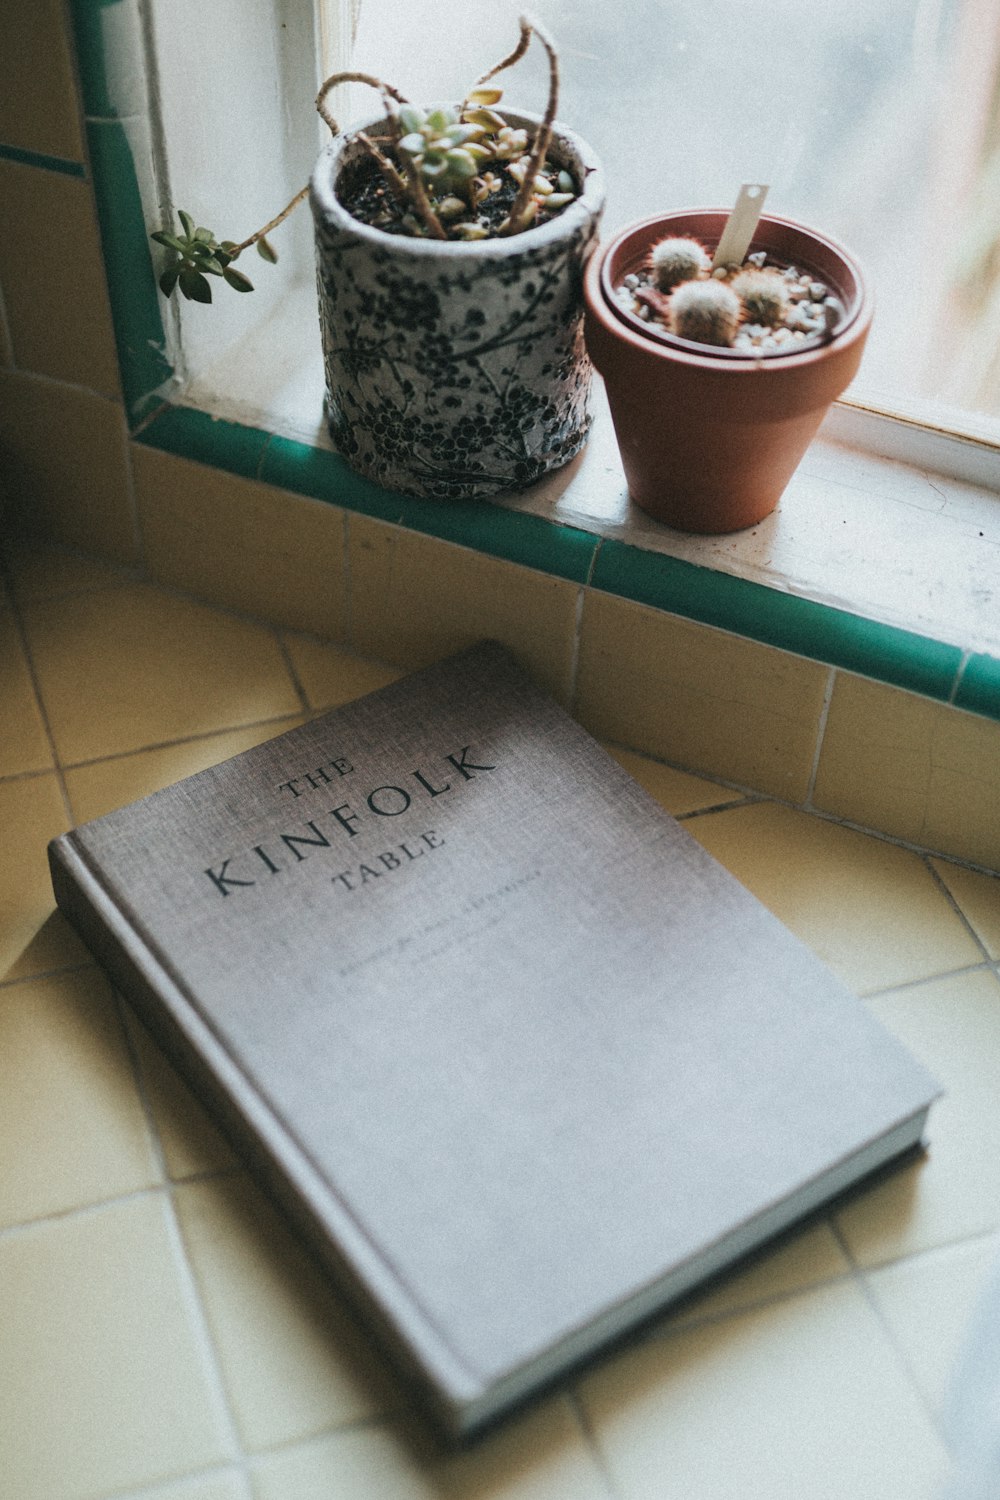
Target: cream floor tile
(98, 788)
(103, 1380)
(677, 791)
(24, 745)
(539, 1456)
(41, 571)
(130, 668)
(331, 675)
(978, 896)
(242, 544)
(698, 696)
(33, 936)
(190, 1142)
(71, 1122)
(927, 1303)
(804, 1258)
(415, 599)
(953, 1026)
(294, 1363)
(870, 909)
(803, 1398)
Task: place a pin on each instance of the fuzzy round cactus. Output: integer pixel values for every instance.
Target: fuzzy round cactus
(707, 312)
(764, 295)
(675, 260)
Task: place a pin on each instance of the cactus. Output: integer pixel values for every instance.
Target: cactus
(675, 260)
(764, 295)
(707, 312)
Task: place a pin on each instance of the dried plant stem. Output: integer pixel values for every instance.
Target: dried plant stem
(509, 61)
(272, 224)
(520, 213)
(408, 187)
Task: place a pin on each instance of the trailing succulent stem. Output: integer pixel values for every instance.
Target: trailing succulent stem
(441, 167)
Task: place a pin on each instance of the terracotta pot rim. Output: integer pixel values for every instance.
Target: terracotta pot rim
(616, 322)
(587, 207)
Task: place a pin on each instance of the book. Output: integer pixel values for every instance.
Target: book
(519, 1058)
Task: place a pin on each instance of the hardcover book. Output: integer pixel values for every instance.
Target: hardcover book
(521, 1060)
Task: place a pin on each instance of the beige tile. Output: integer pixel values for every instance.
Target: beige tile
(24, 745)
(870, 909)
(539, 1456)
(105, 1386)
(134, 667)
(99, 788)
(242, 544)
(55, 294)
(916, 769)
(802, 1258)
(33, 937)
(953, 1026)
(803, 1398)
(677, 791)
(414, 599)
(979, 898)
(293, 1361)
(40, 570)
(67, 475)
(70, 1115)
(927, 1304)
(699, 697)
(38, 102)
(331, 675)
(190, 1142)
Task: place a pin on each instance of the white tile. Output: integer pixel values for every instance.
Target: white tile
(805, 1398)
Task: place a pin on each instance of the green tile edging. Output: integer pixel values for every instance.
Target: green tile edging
(821, 632)
(38, 159)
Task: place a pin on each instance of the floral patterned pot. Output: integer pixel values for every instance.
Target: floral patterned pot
(455, 370)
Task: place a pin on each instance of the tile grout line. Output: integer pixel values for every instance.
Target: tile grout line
(945, 890)
(824, 715)
(186, 1271)
(29, 659)
(860, 1279)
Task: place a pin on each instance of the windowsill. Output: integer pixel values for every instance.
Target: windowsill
(869, 563)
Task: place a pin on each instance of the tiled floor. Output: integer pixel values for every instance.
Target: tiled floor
(162, 1335)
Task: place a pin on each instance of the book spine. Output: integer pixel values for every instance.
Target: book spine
(444, 1385)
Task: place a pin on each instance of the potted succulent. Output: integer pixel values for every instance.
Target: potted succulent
(451, 242)
(718, 374)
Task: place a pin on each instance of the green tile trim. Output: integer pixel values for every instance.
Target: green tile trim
(563, 551)
(46, 163)
(91, 60)
(135, 308)
(195, 435)
(763, 614)
(979, 686)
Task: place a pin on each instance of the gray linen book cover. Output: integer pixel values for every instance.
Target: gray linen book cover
(515, 1053)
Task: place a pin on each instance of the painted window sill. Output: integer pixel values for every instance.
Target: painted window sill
(871, 564)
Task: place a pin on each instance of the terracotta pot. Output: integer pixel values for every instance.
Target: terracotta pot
(709, 437)
(455, 370)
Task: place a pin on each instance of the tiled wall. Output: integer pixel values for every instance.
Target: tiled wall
(693, 695)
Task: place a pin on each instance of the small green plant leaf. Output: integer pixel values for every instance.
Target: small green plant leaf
(485, 96)
(237, 280)
(187, 223)
(411, 119)
(205, 236)
(168, 280)
(194, 286)
(413, 143)
(267, 252)
(163, 237)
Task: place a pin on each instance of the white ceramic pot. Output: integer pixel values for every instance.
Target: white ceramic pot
(455, 369)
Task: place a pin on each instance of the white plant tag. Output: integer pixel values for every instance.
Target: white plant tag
(741, 226)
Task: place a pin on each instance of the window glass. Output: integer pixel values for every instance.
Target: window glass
(877, 121)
